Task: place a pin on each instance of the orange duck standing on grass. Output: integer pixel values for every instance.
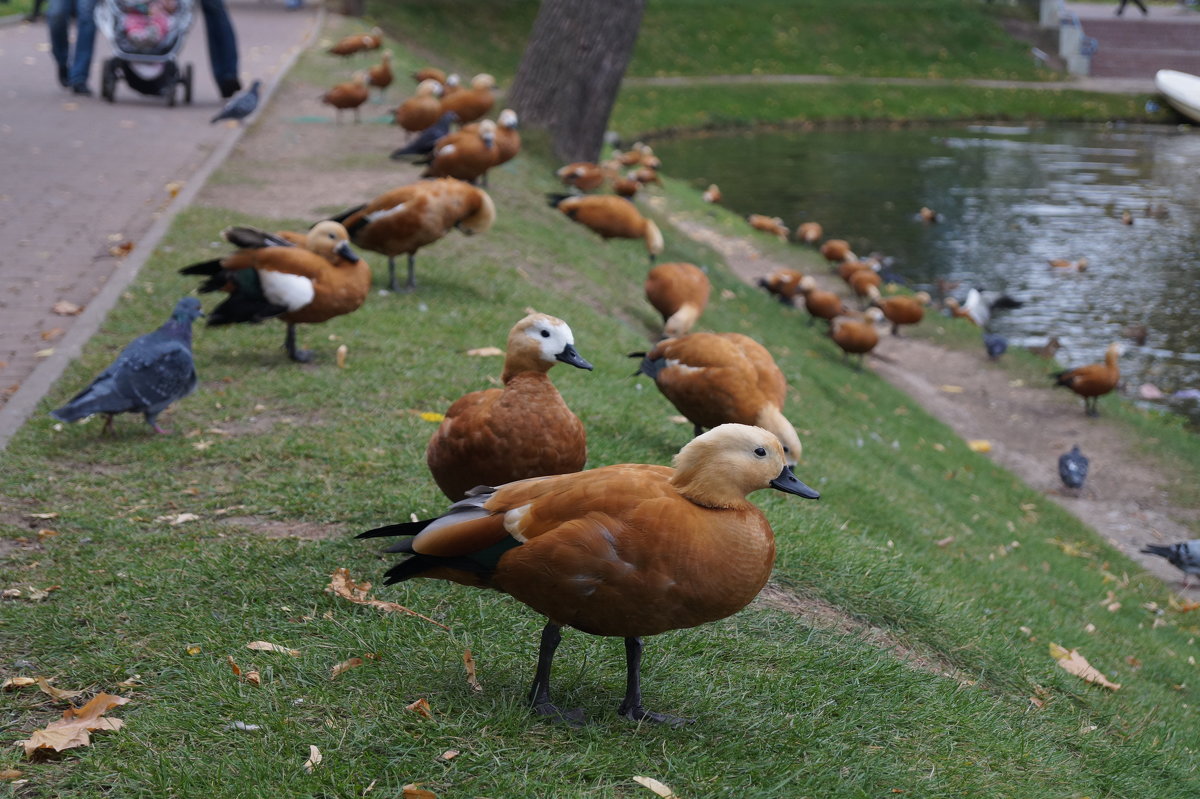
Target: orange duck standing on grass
(272, 277)
(857, 334)
(783, 284)
(525, 429)
(627, 550)
(348, 95)
(1094, 380)
(679, 291)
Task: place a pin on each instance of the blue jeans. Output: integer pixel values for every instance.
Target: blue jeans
(222, 43)
(58, 19)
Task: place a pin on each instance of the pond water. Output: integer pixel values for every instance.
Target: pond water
(1010, 199)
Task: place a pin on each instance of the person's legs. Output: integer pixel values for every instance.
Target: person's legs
(85, 41)
(222, 46)
(58, 20)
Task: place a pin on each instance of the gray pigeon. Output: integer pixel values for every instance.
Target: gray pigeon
(1073, 468)
(241, 105)
(1184, 556)
(153, 371)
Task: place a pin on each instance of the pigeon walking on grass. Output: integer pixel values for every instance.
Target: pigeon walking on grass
(1184, 556)
(152, 372)
(1073, 468)
(995, 344)
(240, 106)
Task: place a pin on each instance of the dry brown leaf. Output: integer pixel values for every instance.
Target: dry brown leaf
(52, 333)
(121, 250)
(342, 585)
(38, 594)
(44, 516)
(13, 683)
(66, 308)
(345, 666)
(10, 593)
(237, 670)
(76, 725)
(133, 682)
(177, 519)
(173, 188)
(314, 759)
(485, 352)
(449, 754)
(945, 542)
(1077, 664)
(421, 708)
(45, 533)
(267, 646)
(415, 791)
(9, 774)
(253, 677)
(55, 693)
(656, 786)
(342, 351)
(469, 662)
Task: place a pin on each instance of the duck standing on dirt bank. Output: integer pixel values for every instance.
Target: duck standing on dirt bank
(1094, 380)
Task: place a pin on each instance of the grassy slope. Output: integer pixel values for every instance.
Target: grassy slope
(814, 713)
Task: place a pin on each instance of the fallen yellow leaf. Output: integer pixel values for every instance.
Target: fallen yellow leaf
(9, 774)
(469, 662)
(76, 725)
(134, 681)
(431, 416)
(66, 308)
(656, 786)
(266, 646)
(194, 649)
(342, 585)
(253, 677)
(13, 683)
(55, 693)
(345, 666)
(951, 389)
(237, 670)
(485, 352)
(979, 445)
(1075, 663)
(421, 708)
(314, 758)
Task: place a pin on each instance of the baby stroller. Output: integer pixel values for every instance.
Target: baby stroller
(146, 36)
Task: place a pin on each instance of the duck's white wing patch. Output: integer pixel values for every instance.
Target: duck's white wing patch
(383, 213)
(291, 291)
(673, 363)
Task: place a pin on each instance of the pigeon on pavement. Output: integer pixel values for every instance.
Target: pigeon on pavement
(1073, 468)
(240, 106)
(152, 372)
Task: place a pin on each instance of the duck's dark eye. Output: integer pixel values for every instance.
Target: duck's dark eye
(545, 334)
(760, 452)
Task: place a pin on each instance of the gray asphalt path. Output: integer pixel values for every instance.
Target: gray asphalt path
(79, 175)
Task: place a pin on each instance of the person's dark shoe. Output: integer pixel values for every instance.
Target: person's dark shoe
(81, 89)
(63, 79)
(229, 87)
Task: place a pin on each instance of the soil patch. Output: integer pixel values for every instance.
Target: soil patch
(1126, 497)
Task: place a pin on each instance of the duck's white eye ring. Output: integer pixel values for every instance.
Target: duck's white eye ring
(760, 452)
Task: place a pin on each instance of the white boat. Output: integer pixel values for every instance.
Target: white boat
(1182, 91)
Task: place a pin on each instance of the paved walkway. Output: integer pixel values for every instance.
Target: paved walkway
(79, 176)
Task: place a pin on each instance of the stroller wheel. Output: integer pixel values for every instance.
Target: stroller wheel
(108, 80)
(187, 84)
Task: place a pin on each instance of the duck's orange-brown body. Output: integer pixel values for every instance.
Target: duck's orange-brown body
(349, 95)
(405, 219)
(1093, 380)
(772, 225)
(957, 311)
(678, 291)
(626, 187)
(613, 217)
(903, 310)
(712, 194)
(809, 232)
(473, 103)
(583, 175)
(358, 43)
(854, 336)
(508, 139)
(835, 250)
(421, 110)
(863, 280)
(464, 154)
(718, 378)
(380, 76)
(783, 283)
(524, 429)
(429, 73)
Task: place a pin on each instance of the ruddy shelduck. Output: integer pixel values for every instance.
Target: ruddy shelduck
(716, 378)
(410, 217)
(1068, 265)
(783, 284)
(628, 550)
(864, 281)
(272, 278)
(679, 291)
(524, 429)
(611, 217)
(856, 335)
(712, 194)
(902, 310)
(582, 175)
(358, 43)
(1094, 380)
(380, 76)
(819, 303)
(837, 250)
(429, 73)
(348, 95)
(473, 103)
(769, 224)
(421, 110)
(464, 154)
(809, 232)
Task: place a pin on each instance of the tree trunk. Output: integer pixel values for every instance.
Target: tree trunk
(571, 71)
(354, 8)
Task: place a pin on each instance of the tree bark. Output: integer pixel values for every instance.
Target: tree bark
(572, 69)
(354, 8)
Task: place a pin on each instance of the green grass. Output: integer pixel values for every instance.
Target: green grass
(21, 7)
(785, 707)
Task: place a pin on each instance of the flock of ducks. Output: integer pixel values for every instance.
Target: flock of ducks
(627, 550)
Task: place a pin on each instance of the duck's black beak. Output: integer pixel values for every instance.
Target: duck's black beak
(569, 355)
(788, 483)
(345, 251)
